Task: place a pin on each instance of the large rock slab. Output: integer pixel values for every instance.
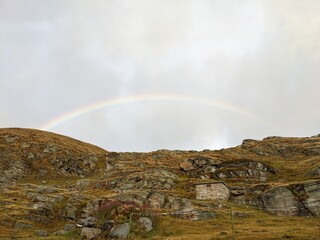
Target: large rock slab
(281, 201)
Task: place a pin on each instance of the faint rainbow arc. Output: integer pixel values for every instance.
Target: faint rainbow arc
(149, 98)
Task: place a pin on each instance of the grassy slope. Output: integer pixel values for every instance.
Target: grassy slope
(258, 225)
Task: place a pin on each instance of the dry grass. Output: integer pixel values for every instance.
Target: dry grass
(258, 225)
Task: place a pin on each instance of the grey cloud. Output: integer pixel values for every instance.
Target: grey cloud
(261, 56)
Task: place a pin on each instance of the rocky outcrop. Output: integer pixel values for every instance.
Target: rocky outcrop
(200, 166)
(11, 171)
(208, 168)
(22, 225)
(281, 146)
(41, 233)
(294, 200)
(309, 195)
(154, 200)
(244, 170)
(281, 201)
(69, 164)
(154, 179)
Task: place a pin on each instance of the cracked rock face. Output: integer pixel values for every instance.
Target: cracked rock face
(14, 170)
(250, 170)
(154, 179)
(71, 164)
(281, 201)
(311, 198)
(207, 168)
(293, 200)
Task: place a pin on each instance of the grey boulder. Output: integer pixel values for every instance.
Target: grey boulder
(120, 230)
(145, 223)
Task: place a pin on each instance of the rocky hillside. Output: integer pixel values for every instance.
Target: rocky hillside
(57, 187)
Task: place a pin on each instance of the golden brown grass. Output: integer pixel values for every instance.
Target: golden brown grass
(258, 224)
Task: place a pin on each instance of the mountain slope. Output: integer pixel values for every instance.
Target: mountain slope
(49, 180)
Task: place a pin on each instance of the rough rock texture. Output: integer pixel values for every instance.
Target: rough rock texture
(309, 195)
(245, 170)
(155, 179)
(315, 172)
(294, 200)
(208, 168)
(120, 230)
(200, 166)
(145, 223)
(281, 201)
(41, 233)
(21, 225)
(90, 233)
(216, 191)
(31, 151)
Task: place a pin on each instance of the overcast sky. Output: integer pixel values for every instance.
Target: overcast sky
(174, 74)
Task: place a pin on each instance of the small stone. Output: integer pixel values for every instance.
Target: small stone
(145, 223)
(90, 233)
(25, 145)
(155, 200)
(11, 139)
(21, 225)
(50, 148)
(41, 233)
(120, 230)
(83, 183)
(260, 221)
(60, 232)
(70, 211)
(42, 173)
(89, 221)
(68, 227)
(186, 166)
(107, 226)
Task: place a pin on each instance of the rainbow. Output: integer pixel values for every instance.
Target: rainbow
(110, 103)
